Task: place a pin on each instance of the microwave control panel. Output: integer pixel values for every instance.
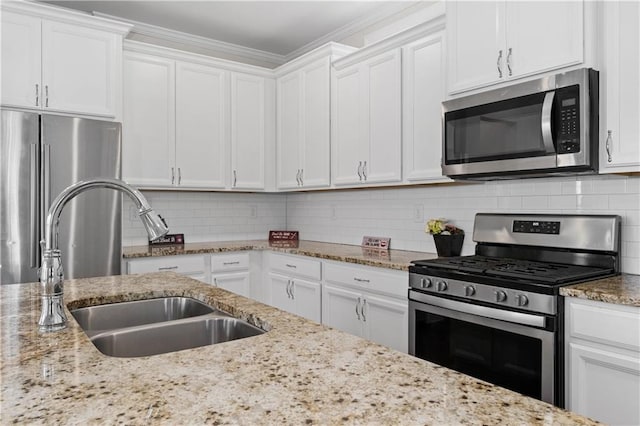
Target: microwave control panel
(568, 120)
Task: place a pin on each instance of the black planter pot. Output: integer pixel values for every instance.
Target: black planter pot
(448, 245)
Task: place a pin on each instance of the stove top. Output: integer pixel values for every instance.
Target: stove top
(545, 273)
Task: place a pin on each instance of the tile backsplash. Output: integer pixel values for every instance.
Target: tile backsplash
(400, 213)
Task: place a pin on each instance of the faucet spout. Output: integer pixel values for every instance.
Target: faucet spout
(52, 316)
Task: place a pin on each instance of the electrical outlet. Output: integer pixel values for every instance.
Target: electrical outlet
(418, 213)
(333, 212)
(253, 211)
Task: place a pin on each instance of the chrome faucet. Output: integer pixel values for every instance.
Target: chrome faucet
(52, 316)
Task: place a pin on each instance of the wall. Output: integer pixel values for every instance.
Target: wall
(401, 213)
(208, 216)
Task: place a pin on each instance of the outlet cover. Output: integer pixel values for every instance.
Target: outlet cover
(418, 213)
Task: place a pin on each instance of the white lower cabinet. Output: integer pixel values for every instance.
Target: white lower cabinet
(603, 361)
(230, 271)
(368, 302)
(190, 265)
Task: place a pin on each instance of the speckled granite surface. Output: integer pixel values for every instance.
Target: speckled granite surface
(622, 290)
(392, 259)
(299, 372)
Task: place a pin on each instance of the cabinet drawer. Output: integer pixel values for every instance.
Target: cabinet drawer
(229, 262)
(295, 266)
(605, 323)
(394, 283)
(179, 264)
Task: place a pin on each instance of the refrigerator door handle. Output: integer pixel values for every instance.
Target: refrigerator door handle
(46, 184)
(33, 209)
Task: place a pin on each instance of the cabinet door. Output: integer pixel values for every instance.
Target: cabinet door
(340, 309)
(347, 150)
(21, 64)
(475, 39)
(201, 125)
(289, 130)
(604, 385)
(315, 161)
(79, 69)
(383, 129)
(386, 322)
(306, 298)
(279, 289)
(422, 95)
(620, 88)
(148, 129)
(542, 36)
(237, 283)
(247, 131)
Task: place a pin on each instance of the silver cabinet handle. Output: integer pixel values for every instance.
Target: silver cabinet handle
(358, 312)
(33, 205)
(364, 302)
(298, 177)
(301, 174)
(288, 265)
(179, 176)
(37, 94)
(499, 63)
(173, 176)
(547, 133)
(359, 170)
(237, 262)
(167, 268)
(361, 280)
(608, 146)
(215, 282)
(46, 96)
(364, 171)
(509, 62)
(288, 289)
(235, 178)
(293, 295)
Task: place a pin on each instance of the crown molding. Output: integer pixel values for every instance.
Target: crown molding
(215, 46)
(332, 50)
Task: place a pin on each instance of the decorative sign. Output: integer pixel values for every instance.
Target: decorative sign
(376, 242)
(283, 235)
(168, 240)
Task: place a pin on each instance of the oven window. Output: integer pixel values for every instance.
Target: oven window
(498, 131)
(509, 360)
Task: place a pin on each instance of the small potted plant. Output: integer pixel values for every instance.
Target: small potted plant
(448, 237)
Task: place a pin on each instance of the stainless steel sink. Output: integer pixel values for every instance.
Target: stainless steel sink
(100, 318)
(175, 336)
(157, 326)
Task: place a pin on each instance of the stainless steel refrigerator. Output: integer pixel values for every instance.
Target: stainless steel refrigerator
(40, 155)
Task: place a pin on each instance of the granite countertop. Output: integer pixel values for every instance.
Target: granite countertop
(392, 259)
(299, 372)
(622, 290)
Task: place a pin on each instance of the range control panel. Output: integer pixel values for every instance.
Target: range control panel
(536, 227)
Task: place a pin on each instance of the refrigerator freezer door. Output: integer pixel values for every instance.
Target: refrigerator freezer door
(75, 149)
(19, 197)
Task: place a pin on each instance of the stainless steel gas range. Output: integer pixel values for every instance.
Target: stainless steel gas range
(497, 315)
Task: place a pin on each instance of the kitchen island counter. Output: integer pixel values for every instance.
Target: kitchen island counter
(299, 372)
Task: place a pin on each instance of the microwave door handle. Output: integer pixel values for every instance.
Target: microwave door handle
(547, 133)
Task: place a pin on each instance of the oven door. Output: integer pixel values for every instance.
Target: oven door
(498, 346)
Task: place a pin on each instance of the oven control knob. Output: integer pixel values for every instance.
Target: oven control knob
(501, 296)
(425, 282)
(442, 286)
(469, 290)
(522, 300)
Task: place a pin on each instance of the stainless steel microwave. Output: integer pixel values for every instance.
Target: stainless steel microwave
(541, 127)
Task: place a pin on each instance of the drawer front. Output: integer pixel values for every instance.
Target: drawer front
(393, 283)
(229, 262)
(295, 266)
(179, 264)
(605, 323)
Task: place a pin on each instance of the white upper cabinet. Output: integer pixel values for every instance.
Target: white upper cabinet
(72, 66)
(366, 121)
(201, 125)
(248, 131)
(492, 42)
(620, 88)
(422, 95)
(288, 137)
(148, 130)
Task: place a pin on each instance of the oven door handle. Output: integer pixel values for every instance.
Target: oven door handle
(547, 131)
(483, 311)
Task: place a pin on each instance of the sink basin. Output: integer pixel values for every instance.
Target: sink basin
(171, 337)
(157, 326)
(100, 318)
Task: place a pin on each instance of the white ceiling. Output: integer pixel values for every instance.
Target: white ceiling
(277, 27)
